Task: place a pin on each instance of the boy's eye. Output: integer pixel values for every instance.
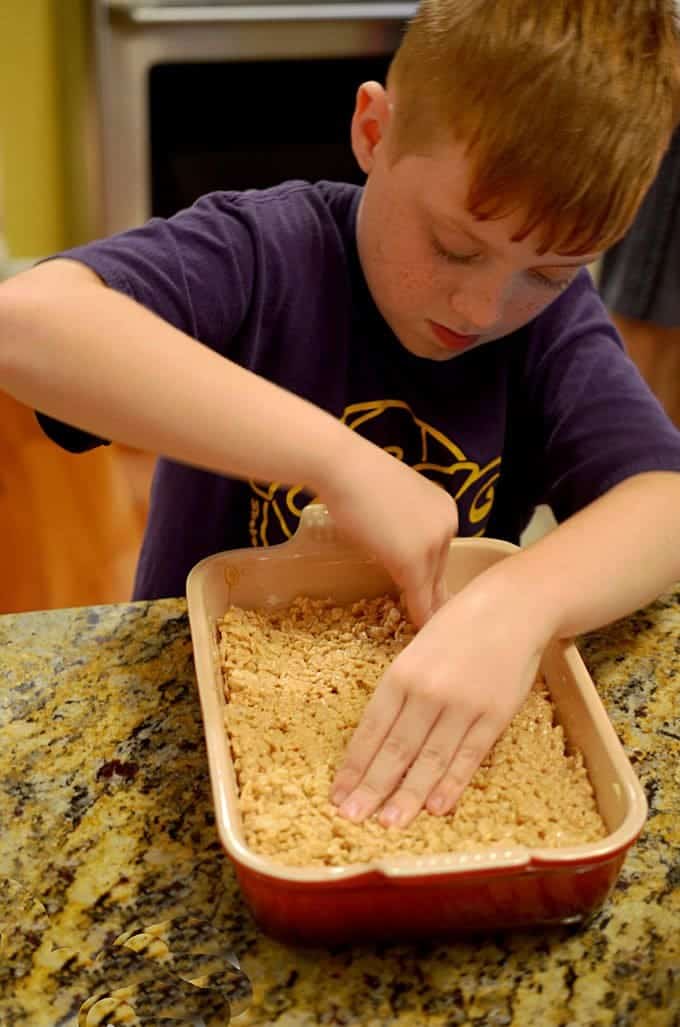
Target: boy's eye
(451, 257)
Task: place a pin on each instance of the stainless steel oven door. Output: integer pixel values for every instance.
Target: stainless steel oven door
(132, 37)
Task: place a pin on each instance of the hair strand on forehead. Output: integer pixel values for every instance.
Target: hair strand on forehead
(564, 107)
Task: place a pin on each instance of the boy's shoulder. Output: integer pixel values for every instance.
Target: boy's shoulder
(282, 208)
(211, 261)
(281, 236)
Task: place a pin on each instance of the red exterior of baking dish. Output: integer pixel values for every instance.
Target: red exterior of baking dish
(425, 896)
(374, 907)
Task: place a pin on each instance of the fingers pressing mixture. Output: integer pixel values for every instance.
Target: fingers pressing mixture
(297, 680)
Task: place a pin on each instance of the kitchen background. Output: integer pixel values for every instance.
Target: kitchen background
(69, 529)
(113, 110)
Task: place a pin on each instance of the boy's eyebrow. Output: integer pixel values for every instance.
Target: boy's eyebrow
(453, 223)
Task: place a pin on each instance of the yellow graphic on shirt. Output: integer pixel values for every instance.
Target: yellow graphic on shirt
(391, 424)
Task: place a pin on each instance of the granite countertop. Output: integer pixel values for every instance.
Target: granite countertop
(107, 825)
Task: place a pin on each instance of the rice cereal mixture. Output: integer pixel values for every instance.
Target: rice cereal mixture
(297, 679)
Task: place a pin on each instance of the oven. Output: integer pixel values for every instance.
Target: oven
(196, 96)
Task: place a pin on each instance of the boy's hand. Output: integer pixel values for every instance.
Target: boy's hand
(440, 707)
(401, 517)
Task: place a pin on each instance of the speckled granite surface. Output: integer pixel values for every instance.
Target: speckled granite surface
(106, 823)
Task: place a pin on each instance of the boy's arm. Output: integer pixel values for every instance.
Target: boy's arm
(449, 695)
(607, 560)
(87, 355)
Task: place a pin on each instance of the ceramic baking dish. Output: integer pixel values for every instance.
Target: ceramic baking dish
(423, 896)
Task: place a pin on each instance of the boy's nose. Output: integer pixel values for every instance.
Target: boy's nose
(478, 309)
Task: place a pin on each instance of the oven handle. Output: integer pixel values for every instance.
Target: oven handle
(378, 10)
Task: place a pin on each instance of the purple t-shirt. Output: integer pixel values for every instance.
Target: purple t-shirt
(554, 413)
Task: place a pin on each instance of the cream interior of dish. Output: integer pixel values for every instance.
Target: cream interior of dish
(296, 682)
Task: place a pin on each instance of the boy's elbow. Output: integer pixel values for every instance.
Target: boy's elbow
(32, 304)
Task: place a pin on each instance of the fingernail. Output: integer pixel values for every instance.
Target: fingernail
(437, 804)
(338, 796)
(352, 809)
(390, 816)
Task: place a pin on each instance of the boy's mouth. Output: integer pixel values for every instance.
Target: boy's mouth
(452, 341)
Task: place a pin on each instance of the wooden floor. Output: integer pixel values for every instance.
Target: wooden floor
(70, 525)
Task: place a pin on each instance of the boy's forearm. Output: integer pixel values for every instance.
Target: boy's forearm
(611, 558)
(95, 359)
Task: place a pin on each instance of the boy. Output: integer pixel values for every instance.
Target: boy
(444, 314)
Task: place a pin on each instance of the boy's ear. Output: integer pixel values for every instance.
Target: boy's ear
(369, 123)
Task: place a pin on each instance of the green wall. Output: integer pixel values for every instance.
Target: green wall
(44, 110)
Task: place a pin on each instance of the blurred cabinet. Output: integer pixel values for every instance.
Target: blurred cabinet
(70, 526)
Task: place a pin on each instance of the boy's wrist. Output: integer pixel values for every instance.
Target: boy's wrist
(339, 456)
(511, 591)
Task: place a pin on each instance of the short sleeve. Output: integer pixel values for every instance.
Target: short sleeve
(591, 420)
(194, 270)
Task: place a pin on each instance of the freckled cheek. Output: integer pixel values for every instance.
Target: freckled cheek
(423, 277)
(405, 268)
(409, 286)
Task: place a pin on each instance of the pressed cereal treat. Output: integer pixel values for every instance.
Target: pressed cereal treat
(296, 681)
